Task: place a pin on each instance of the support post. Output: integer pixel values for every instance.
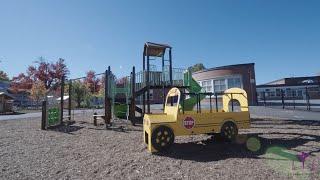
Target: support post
(70, 102)
(308, 99)
(197, 103)
(133, 96)
(163, 83)
(144, 60)
(282, 99)
(183, 97)
(163, 97)
(264, 99)
(106, 89)
(170, 73)
(148, 84)
(170, 68)
(210, 104)
(61, 99)
(107, 103)
(232, 107)
(199, 99)
(143, 103)
(144, 82)
(44, 115)
(216, 96)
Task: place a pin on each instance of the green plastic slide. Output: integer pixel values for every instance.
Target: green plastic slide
(193, 87)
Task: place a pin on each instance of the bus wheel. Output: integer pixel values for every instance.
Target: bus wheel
(162, 138)
(229, 131)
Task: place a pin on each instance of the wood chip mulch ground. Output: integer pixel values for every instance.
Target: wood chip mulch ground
(269, 150)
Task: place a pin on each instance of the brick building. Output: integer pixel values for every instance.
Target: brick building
(218, 79)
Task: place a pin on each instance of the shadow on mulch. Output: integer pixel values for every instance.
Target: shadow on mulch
(69, 129)
(285, 122)
(280, 128)
(118, 125)
(117, 128)
(210, 150)
(12, 113)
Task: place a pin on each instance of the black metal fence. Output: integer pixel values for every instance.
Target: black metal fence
(307, 101)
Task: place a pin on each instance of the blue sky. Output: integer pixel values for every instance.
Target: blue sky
(281, 37)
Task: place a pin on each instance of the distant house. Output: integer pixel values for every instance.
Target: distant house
(6, 99)
(22, 98)
(6, 102)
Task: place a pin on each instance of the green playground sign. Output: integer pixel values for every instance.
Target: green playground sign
(53, 116)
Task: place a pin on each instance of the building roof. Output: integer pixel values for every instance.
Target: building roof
(4, 85)
(301, 80)
(224, 67)
(64, 98)
(284, 85)
(275, 82)
(154, 49)
(6, 95)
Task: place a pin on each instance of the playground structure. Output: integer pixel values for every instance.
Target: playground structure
(161, 129)
(52, 107)
(136, 88)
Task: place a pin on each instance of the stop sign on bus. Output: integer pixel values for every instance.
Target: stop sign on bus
(188, 122)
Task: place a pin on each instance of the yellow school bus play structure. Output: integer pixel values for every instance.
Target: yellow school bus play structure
(161, 129)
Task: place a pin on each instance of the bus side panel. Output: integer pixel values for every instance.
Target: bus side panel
(203, 123)
(241, 119)
(211, 122)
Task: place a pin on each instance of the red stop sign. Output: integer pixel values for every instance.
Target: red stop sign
(188, 122)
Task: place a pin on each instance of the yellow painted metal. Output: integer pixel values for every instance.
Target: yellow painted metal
(204, 122)
(236, 94)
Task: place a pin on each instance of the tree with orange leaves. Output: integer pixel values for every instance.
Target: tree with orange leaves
(92, 82)
(38, 91)
(45, 72)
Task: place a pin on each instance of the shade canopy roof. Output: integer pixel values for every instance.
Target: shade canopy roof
(155, 49)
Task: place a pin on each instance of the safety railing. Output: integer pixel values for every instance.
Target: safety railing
(158, 78)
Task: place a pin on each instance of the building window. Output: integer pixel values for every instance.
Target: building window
(260, 95)
(271, 94)
(219, 85)
(294, 93)
(234, 82)
(207, 85)
(278, 92)
(290, 92)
